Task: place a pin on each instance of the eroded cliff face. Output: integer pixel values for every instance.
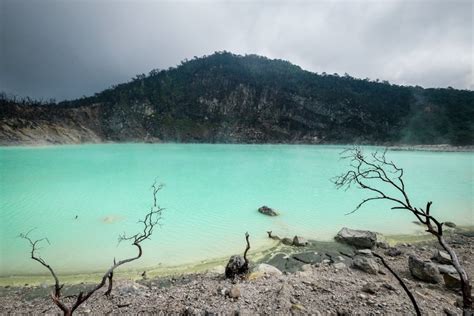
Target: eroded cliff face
(29, 125)
(228, 98)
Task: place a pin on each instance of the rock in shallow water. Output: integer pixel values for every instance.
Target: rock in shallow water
(267, 211)
(299, 241)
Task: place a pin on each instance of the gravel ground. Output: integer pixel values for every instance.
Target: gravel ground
(318, 289)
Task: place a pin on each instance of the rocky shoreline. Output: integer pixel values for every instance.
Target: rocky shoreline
(322, 278)
(394, 147)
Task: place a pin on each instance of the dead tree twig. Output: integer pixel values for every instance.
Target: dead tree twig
(238, 265)
(151, 219)
(246, 250)
(403, 285)
(377, 174)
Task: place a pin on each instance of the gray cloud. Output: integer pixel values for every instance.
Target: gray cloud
(65, 49)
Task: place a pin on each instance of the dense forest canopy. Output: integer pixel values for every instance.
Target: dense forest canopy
(231, 98)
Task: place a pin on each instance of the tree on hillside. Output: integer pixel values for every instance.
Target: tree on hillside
(149, 222)
(384, 179)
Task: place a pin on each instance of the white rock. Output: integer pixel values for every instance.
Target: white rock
(340, 265)
(267, 269)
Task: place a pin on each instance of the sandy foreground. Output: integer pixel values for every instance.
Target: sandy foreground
(312, 282)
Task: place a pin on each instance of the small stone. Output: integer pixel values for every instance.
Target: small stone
(450, 224)
(306, 267)
(234, 292)
(298, 307)
(370, 288)
(446, 269)
(267, 269)
(365, 252)
(340, 265)
(390, 287)
(365, 264)
(442, 257)
(449, 312)
(452, 281)
(222, 291)
(393, 252)
(362, 296)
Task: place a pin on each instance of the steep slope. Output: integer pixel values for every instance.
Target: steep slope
(249, 99)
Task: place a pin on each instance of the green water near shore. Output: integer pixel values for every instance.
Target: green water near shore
(211, 195)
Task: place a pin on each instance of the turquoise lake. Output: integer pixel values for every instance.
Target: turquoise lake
(211, 196)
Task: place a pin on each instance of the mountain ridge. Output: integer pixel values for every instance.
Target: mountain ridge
(227, 98)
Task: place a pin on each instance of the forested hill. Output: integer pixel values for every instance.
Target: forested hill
(246, 99)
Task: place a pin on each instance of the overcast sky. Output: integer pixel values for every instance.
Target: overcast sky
(66, 49)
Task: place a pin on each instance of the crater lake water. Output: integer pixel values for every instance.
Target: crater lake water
(211, 196)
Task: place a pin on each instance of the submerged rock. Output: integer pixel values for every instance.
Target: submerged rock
(310, 257)
(267, 211)
(357, 238)
(423, 270)
(286, 263)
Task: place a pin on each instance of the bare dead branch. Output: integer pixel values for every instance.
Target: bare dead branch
(376, 173)
(246, 248)
(405, 288)
(150, 221)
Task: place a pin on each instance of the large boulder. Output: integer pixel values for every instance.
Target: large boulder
(365, 263)
(423, 270)
(357, 238)
(236, 266)
(267, 211)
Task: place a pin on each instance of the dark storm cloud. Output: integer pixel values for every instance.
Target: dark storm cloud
(65, 49)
